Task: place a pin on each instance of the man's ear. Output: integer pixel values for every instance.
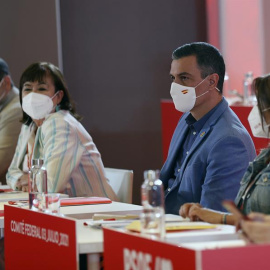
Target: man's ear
(213, 80)
(7, 82)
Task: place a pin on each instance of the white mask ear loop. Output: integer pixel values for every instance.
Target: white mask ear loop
(202, 94)
(264, 110)
(199, 84)
(207, 91)
(54, 95)
(53, 98)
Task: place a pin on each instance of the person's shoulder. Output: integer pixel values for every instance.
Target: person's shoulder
(59, 115)
(12, 112)
(60, 118)
(228, 120)
(228, 127)
(13, 104)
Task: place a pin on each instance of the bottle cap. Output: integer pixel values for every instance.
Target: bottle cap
(39, 162)
(151, 174)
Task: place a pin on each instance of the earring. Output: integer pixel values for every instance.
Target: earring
(57, 108)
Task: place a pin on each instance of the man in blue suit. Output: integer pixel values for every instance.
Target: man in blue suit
(210, 149)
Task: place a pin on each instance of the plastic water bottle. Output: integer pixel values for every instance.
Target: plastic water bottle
(153, 215)
(37, 185)
(249, 96)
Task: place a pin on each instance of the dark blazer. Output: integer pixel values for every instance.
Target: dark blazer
(215, 164)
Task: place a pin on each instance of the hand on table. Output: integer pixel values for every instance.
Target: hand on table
(195, 212)
(23, 183)
(188, 210)
(25, 188)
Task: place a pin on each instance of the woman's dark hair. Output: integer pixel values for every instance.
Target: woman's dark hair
(261, 87)
(37, 72)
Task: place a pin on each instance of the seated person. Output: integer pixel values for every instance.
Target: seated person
(10, 115)
(209, 139)
(51, 132)
(254, 192)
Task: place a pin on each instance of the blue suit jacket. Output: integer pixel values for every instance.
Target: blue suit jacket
(215, 164)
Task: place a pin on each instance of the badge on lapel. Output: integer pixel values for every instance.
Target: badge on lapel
(202, 134)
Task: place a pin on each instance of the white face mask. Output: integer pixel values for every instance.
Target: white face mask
(184, 97)
(37, 106)
(258, 128)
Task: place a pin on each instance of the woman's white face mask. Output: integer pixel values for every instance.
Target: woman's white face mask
(38, 106)
(258, 128)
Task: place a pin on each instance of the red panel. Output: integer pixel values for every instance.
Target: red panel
(130, 252)
(248, 258)
(169, 119)
(34, 240)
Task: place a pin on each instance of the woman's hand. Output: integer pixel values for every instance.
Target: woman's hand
(23, 183)
(195, 212)
(25, 188)
(257, 229)
(185, 209)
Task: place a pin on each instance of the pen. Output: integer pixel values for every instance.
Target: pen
(98, 224)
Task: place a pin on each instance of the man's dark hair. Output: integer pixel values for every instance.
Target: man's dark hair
(209, 59)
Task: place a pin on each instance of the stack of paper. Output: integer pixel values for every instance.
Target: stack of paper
(135, 226)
